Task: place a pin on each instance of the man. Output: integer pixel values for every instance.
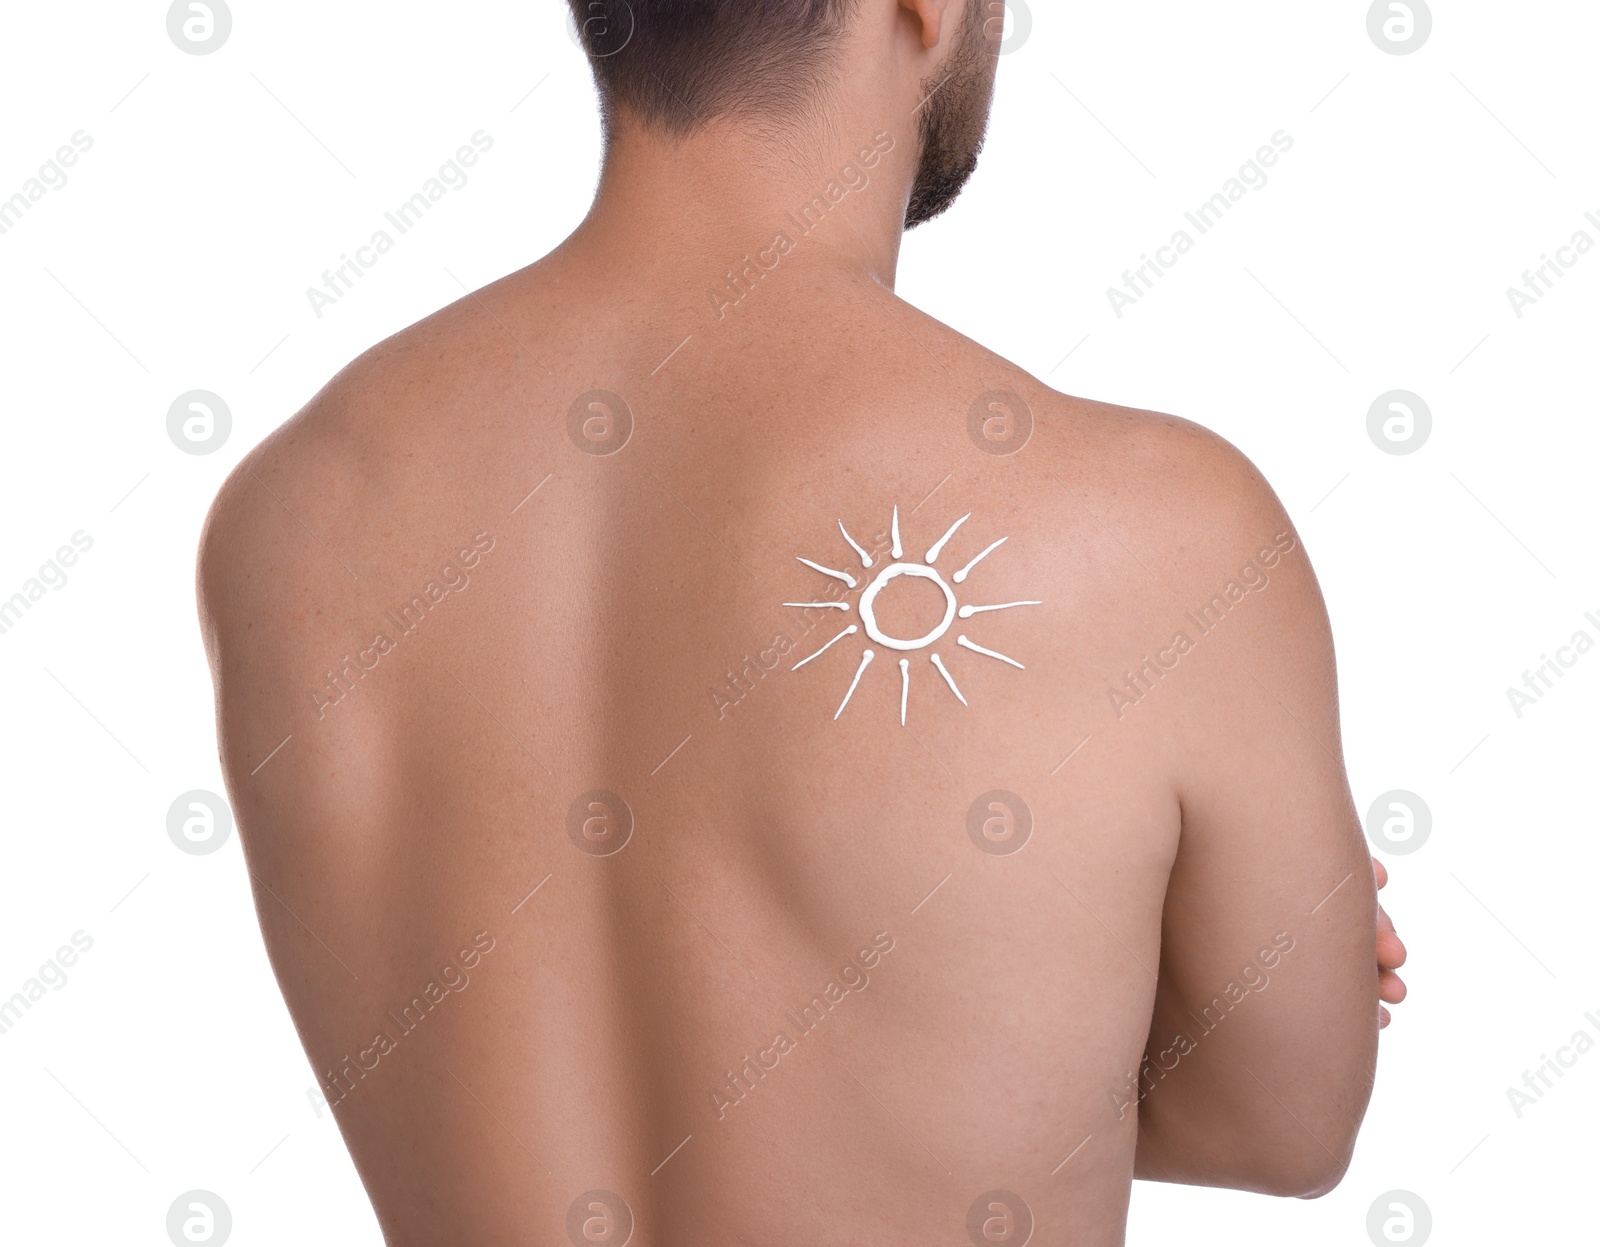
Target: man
(723, 758)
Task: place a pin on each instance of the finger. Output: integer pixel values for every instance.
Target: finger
(1391, 951)
(1386, 928)
(1389, 939)
(1391, 988)
(1391, 948)
(1383, 1017)
(1380, 871)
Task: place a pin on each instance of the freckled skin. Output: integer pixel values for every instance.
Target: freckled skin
(803, 1002)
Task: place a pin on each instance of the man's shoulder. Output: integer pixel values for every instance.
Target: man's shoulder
(301, 547)
(1169, 479)
(286, 539)
(1178, 488)
(302, 471)
(1187, 505)
(1184, 502)
(363, 437)
(1181, 463)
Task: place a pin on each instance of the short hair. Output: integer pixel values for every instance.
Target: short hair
(677, 64)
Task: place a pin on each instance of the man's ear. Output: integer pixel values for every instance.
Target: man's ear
(930, 16)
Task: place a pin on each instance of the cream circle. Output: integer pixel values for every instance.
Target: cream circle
(869, 620)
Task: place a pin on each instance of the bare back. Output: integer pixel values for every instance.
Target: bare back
(597, 907)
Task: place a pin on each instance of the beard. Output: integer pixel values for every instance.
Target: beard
(954, 119)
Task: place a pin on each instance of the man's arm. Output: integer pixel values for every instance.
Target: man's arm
(1264, 1034)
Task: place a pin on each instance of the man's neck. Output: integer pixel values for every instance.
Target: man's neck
(702, 203)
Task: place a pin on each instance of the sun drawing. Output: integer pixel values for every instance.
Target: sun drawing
(924, 570)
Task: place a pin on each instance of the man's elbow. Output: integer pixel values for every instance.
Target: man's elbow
(1308, 1174)
(1252, 1159)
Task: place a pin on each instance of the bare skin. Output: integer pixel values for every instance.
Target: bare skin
(635, 1021)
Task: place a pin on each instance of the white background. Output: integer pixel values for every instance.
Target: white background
(219, 187)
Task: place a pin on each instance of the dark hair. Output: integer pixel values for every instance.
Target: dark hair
(676, 64)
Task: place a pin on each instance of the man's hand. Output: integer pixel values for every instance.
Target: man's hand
(1391, 955)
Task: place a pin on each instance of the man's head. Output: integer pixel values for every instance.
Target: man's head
(673, 66)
